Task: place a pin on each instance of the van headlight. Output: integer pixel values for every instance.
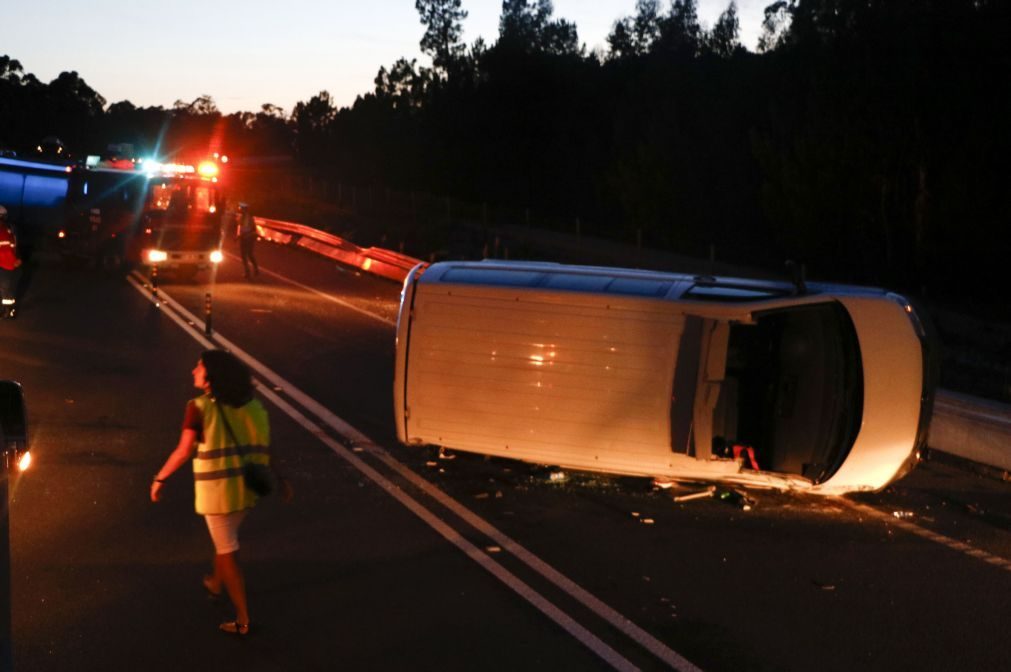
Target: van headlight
(157, 256)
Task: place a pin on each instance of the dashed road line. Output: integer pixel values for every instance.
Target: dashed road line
(913, 528)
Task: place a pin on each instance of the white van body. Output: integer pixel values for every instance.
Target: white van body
(658, 374)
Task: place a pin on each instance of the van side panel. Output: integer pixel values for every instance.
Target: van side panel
(576, 380)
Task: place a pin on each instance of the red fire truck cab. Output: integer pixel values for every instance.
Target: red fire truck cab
(124, 212)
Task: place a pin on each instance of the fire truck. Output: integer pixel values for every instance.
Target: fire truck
(122, 213)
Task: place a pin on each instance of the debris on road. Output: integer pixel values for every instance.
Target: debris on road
(901, 515)
(481, 495)
(430, 463)
(557, 476)
(646, 521)
(445, 454)
(493, 549)
(737, 498)
(701, 494)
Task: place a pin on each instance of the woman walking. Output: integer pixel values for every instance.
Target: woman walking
(222, 428)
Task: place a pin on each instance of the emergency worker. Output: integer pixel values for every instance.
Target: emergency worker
(246, 233)
(223, 429)
(10, 262)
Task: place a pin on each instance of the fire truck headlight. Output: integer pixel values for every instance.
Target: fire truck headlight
(217, 257)
(207, 169)
(156, 256)
(25, 461)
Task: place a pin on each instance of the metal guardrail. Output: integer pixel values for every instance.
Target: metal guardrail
(374, 260)
(967, 427)
(974, 429)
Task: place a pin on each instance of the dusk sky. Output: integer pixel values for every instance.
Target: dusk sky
(263, 51)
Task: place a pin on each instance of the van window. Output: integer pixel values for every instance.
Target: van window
(733, 293)
(637, 287)
(468, 276)
(577, 282)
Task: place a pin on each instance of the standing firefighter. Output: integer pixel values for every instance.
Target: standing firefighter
(9, 264)
(246, 232)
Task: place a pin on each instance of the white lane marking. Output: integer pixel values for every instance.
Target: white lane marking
(587, 638)
(587, 599)
(324, 295)
(913, 528)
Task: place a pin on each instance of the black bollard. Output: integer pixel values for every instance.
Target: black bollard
(207, 314)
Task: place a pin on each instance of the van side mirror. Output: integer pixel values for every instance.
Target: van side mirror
(13, 426)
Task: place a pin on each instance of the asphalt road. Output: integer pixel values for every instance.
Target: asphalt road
(371, 568)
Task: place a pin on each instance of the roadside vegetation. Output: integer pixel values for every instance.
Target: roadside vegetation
(865, 138)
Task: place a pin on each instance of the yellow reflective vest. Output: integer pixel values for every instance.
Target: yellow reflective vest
(217, 466)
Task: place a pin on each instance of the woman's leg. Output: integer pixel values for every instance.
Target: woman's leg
(228, 571)
(224, 529)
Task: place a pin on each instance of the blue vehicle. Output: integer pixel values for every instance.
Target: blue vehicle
(34, 192)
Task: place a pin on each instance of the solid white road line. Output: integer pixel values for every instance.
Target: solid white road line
(587, 599)
(583, 635)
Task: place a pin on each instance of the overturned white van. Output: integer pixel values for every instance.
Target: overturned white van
(657, 374)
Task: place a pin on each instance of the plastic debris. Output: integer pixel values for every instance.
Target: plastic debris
(358, 449)
(498, 494)
(445, 455)
(646, 521)
(902, 514)
(701, 494)
(493, 549)
(635, 514)
(481, 495)
(557, 476)
(431, 464)
(663, 484)
(737, 498)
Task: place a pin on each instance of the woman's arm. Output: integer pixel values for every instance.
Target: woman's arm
(180, 456)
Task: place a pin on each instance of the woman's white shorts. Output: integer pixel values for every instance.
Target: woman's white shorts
(224, 529)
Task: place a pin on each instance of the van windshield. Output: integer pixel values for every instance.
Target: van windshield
(793, 389)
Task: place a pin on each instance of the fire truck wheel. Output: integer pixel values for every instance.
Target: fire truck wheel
(111, 259)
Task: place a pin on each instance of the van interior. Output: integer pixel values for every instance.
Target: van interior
(789, 384)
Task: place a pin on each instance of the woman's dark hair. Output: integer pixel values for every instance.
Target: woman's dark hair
(230, 380)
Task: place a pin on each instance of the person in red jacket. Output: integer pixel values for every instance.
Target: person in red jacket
(9, 264)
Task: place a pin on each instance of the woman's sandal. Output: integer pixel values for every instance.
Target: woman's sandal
(235, 628)
(211, 594)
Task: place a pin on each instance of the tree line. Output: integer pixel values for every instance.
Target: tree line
(864, 137)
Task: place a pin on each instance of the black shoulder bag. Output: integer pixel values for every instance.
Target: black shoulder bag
(257, 476)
